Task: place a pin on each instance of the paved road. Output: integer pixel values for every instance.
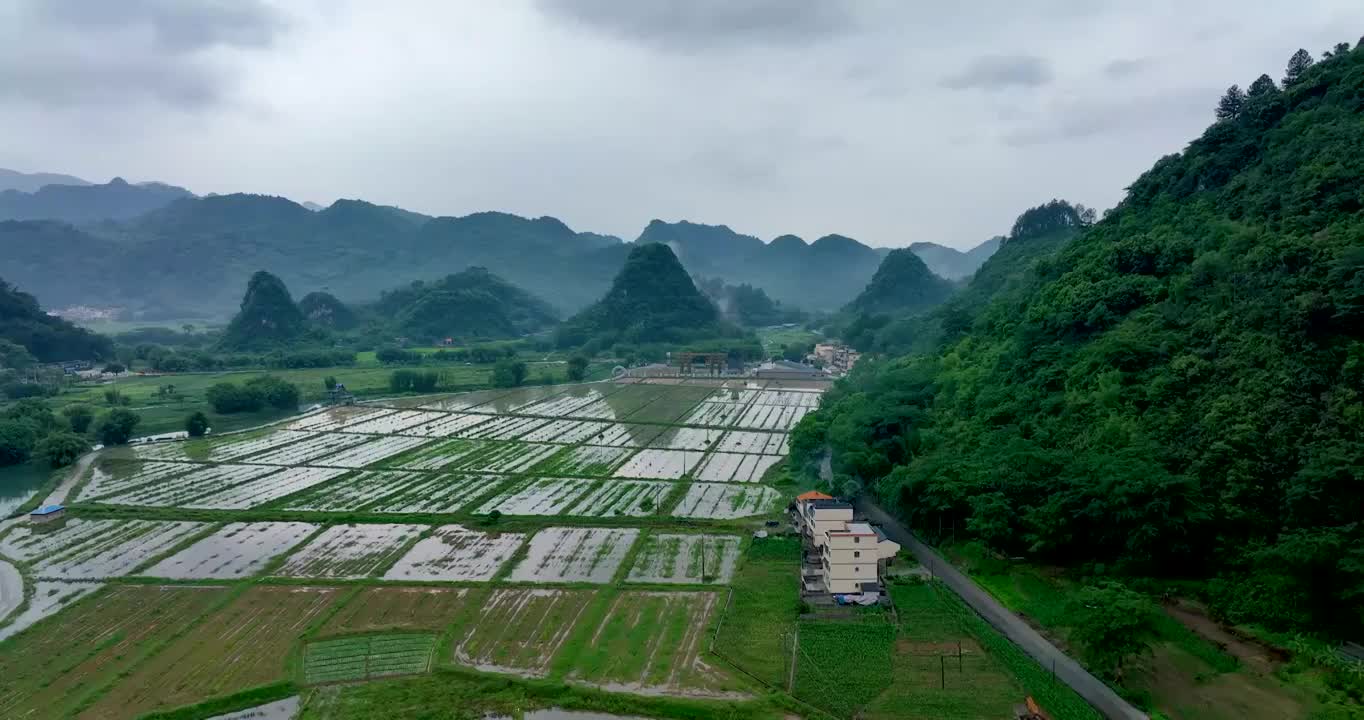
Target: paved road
(1010, 625)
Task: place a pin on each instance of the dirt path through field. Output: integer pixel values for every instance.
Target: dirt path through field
(1253, 654)
(58, 496)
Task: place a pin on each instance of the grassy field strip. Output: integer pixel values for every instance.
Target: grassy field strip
(389, 608)
(566, 555)
(367, 657)
(236, 551)
(456, 553)
(244, 645)
(49, 672)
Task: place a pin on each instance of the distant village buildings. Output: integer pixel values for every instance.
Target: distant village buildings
(837, 359)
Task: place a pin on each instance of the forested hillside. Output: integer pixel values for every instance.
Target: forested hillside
(116, 200)
(268, 318)
(903, 284)
(953, 264)
(1176, 391)
(46, 338)
(652, 300)
(473, 304)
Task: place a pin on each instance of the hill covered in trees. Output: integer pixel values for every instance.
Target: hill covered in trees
(323, 309)
(1174, 391)
(115, 200)
(746, 305)
(268, 318)
(473, 304)
(651, 300)
(44, 337)
(903, 284)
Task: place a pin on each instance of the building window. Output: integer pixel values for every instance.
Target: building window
(857, 539)
(857, 569)
(857, 554)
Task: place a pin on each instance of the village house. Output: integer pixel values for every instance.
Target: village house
(843, 556)
(47, 514)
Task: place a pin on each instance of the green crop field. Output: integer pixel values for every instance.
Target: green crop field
(367, 657)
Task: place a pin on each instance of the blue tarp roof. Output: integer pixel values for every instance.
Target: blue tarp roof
(48, 510)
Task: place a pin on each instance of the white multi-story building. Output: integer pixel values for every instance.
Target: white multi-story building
(848, 556)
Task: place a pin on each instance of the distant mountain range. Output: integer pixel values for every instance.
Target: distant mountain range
(30, 182)
(955, 264)
(159, 251)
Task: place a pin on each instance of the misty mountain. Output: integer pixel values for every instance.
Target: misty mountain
(78, 204)
(472, 304)
(823, 275)
(268, 317)
(31, 182)
(903, 285)
(954, 264)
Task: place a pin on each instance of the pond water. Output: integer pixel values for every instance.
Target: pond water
(17, 485)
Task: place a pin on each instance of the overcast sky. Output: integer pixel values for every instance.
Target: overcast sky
(884, 120)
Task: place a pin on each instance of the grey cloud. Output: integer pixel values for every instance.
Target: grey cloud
(992, 72)
(1077, 121)
(94, 52)
(1124, 67)
(697, 24)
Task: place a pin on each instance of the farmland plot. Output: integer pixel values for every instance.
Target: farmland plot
(792, 398)
(477, 456)
(734, 467)
(241, 646)
(437, 455)
(454, 552)
(667, 409)
(536, 496)
(510, 427)
(560, 554)
(267, 488)
(307, 450)
(519, 631)
(353, 491)
(181, 489)
(715, 414)
(49, 598)
(112, 476)
(623, 497)
(350, 551)
(626, 435)
(590, 460)
(374, 451)
(393, 422)
(772, 417)
(654, 642)
(685, 558)
(758, 443)
(462, 401)
(733, 396)
(367, 657)
(563, 404)
(726, 501)
(398, 608)
(437, 494)
(333, 418)
(220, 449)
(510, 402)
(87, 549)
(566, 432)
(659, 464)
(44, 675)
(447, 425)
(237, 550)
(685, 438)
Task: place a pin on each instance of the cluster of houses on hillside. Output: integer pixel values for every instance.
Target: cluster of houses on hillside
(845, 558)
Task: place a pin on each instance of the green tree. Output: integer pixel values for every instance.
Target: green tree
(79, 416)
(60, 448)
(227, 398)
(117, 425)
(1231, 103)
(15, 356)
(16, 441)
(1263, 86)
(1297, 65)
(1114, 624)
(577, 368)
(196, 424)
(329, 382)
(1338, 50)
(509, 373)
(114, 368)
(276, 392)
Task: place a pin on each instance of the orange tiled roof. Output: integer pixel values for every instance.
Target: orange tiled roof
(813, 495)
